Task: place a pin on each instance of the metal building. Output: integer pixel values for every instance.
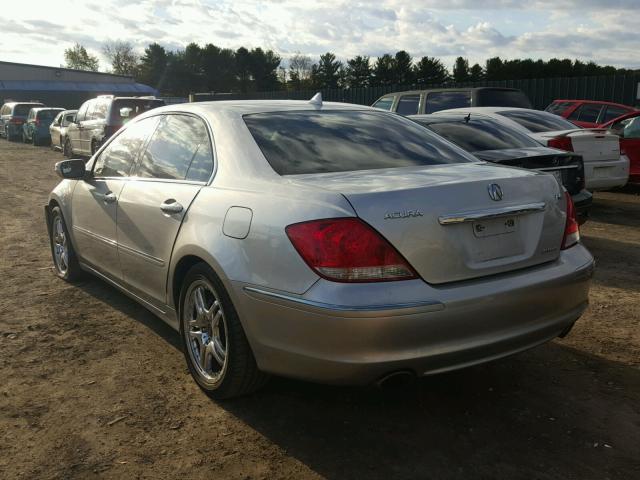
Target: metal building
(63, 87)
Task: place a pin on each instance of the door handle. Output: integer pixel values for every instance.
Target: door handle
(109, 197)
(171, 206)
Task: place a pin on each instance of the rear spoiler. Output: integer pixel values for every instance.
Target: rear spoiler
(595, 130)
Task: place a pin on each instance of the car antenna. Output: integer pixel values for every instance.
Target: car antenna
(467, 118)
(316, 100)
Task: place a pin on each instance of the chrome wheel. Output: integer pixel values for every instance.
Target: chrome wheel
(205, 329)
(60, 246)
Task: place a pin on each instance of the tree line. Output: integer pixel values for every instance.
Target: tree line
(215, 69)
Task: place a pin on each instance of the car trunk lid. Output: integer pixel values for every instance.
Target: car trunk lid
(444, 222)
(593, 145)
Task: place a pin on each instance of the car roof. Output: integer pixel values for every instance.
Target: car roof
(446, 117)
(41, 109)
(245, 107)
(488, 110)
(451, 89)
(600, 102)
(13, 104)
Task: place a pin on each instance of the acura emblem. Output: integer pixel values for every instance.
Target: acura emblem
(495, 192)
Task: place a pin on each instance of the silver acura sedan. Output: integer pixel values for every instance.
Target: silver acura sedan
(329, 242)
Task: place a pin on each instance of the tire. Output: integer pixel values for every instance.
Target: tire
(238, 373)
(66, 267)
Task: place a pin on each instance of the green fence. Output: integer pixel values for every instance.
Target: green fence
(541, 91)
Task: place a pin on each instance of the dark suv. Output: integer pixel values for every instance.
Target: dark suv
(429, 101)
(12, 116)
(99, 118)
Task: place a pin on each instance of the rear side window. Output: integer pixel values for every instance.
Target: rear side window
(384, 103)
(437, 101)
(613, 112)
(179, 149)
(341, 141)
(133, 106)
(536, 122)
(100, 110)
(489, 97)
(408, 105)
(118, 157)
(587, 112)
(558, 108)
(482, 134)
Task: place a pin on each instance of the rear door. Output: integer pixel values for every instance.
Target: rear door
(175, 165)
(73, 131)
(95, 201)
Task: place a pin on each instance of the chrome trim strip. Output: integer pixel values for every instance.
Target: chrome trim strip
(435, 305)
(105, 240)
(464, 217)
(566, 167)
(146, 256)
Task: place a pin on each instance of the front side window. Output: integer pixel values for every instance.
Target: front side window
(629, 128)
(587, 112)
(179, 149)
(408, 104)
(437, 101)
(301, 142)
(68, 119)
(90, 109)
(57, 120)
(384, 103)
(100, 110)
(118, 156)
(482, 134)
(537, 122)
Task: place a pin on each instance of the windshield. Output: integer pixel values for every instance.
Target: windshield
(340, 141)
(478, 135)
(537, 122)
(22, 110)
(502, 98)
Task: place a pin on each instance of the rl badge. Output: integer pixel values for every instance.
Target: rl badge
(403, 214)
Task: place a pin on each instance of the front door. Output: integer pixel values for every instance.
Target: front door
(175, 165)
(95, 201)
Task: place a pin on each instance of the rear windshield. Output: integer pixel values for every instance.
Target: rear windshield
(137, 106)
(341, 141)
(536, 121)
(482, 134)
(502, 98)
(48, 114)
(23, 109)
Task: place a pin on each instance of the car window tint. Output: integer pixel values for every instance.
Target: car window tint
(589, 112)
(437, 101)
(496, 97)
(341, 141)
(482, 134)
(384, 103)
(613, 112)
(179, 146)
(536, 121)
(558, 108)
(118, 156)
(408, 105)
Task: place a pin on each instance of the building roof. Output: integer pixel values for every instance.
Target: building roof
(63, 69)
(60, 86)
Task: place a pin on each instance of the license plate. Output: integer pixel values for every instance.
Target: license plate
(497, 226)
(603, 172)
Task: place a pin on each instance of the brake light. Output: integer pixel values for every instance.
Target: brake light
(571, 228)
(348, 250)
(561, 143)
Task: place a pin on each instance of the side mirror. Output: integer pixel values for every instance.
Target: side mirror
(71, 169)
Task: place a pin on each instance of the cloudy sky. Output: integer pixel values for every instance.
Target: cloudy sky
(606, 31)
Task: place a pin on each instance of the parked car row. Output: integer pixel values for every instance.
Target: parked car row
(74, 132)
(325, 241)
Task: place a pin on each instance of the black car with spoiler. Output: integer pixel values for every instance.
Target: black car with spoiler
(492, 141)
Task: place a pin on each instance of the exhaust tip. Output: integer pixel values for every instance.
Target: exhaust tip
(398, 379)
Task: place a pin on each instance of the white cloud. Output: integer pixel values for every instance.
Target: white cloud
(588, 29)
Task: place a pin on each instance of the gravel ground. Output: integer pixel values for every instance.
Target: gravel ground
(94, 386)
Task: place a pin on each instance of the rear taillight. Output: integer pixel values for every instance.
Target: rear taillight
(16, 121)
(348, 250)
(561, 143)
(571, 228)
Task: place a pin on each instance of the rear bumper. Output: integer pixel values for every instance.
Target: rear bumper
(357, 333)
(606, 174)
(582, 201)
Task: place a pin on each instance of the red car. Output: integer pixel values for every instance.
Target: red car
(628, 129)
(588, 113)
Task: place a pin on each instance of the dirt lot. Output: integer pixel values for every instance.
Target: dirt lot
(93, 385)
